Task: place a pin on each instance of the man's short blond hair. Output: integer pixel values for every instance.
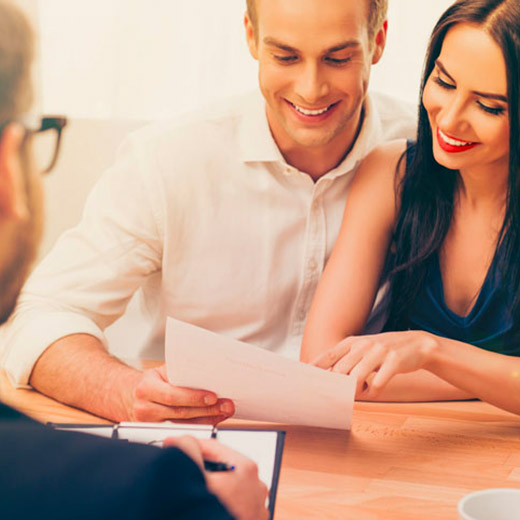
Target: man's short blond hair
(16, 55)
(376, 15)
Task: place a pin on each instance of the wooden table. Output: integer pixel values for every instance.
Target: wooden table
(410, 461)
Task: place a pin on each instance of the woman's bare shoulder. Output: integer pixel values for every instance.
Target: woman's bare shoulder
(380, 165)
(374, 187)
(385, 156)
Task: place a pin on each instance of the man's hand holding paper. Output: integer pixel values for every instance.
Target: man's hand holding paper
(155, 399)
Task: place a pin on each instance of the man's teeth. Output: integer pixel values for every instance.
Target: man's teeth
(453, 142)
(311, 112)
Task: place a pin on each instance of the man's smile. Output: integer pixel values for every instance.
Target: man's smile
(312, 114)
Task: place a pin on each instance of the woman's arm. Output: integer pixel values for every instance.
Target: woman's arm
(376, 361)
(419, 386)
(489, 376)
(347, 289)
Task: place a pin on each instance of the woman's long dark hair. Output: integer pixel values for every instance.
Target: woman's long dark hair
(427, 190)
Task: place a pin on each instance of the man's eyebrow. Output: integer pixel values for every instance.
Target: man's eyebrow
(273, 42)
(487, 95)
(342, 46)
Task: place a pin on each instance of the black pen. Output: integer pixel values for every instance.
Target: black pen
(212, 465)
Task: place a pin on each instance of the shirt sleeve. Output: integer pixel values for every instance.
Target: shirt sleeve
(63, 475)
(87, 280)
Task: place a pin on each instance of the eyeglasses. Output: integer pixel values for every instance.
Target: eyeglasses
(45, 138)
(46, 141)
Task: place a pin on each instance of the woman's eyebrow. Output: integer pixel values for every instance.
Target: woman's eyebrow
(487, 95)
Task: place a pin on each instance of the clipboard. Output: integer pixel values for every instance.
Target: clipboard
(265, 447)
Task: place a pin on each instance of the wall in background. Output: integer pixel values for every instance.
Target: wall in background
(410, 23)
(144, 59)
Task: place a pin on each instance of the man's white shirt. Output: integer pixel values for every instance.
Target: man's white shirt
(209, 220)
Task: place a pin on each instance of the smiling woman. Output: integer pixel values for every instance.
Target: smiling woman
(444, 212)
(457, 91)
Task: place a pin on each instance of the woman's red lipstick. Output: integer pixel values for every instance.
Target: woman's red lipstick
(451, 148)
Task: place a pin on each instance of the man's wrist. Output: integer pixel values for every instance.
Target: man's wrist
(121, 394)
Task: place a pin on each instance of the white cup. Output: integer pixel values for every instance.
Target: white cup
(491, 504)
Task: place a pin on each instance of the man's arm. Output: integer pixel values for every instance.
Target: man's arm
(85, 476)
(83, 286)
(78, 371)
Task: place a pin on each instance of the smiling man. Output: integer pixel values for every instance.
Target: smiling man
(315, 61)
(225, 220)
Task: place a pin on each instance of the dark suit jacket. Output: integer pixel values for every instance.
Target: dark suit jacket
(47, 474)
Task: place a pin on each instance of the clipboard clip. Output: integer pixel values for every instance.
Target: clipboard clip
(159, 442)
(115, 432)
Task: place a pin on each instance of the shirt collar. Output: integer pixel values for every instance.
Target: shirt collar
(257, 143)
(255, 139)
(369, 135)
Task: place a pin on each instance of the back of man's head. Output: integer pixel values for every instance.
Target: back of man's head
(16, 54)
(20, 190)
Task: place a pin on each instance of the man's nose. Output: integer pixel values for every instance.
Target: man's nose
(311, 84)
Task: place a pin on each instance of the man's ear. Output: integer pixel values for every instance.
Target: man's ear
(379, 43)
(13, 196)
(251, 36)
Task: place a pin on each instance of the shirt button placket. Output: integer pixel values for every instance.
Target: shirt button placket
(314, 253)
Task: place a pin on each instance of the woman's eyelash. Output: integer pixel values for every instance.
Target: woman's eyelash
(443, 83)
(496, 111)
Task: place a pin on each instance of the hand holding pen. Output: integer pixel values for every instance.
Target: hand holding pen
(240, 490)
(209, 465)
(212, 465)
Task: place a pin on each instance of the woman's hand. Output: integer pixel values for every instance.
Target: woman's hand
(375, 359)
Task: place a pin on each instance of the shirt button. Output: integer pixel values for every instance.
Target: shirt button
(313, 264)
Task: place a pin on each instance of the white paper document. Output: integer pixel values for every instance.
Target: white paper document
(264, 386)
